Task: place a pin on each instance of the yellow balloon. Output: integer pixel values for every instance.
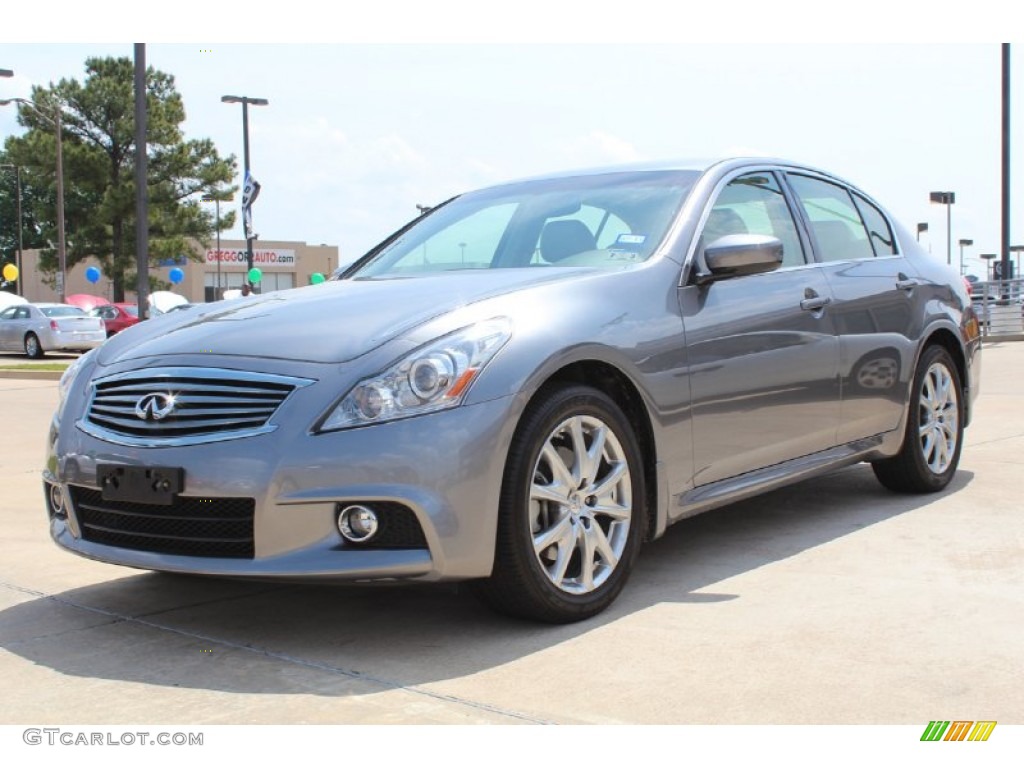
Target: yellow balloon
(10, 272)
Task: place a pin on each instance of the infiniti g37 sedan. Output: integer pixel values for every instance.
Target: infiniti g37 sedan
(522, 386)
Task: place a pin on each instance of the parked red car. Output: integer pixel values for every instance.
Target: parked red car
(116, 317)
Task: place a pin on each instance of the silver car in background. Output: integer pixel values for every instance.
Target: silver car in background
(36, 329)
(522, 386)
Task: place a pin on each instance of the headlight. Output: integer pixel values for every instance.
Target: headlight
(434, 377)
(67, 379)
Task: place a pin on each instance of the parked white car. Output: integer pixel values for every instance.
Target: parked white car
(36, 329)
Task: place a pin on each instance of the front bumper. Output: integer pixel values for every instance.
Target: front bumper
(445, 467)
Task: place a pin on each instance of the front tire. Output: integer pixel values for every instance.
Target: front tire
(32, 346)
(935, 429)
(572, 512)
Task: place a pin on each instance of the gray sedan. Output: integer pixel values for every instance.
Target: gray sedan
(39, 328)
(524, 385)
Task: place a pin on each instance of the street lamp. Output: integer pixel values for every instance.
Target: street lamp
(245, 101)
(1018, 249)
(61, 245)
(963, 242)
(922, 226)
(214, 198)
(21, 242)
(988, 265)
(947, 199)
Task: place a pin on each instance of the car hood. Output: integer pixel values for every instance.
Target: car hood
(329, 323)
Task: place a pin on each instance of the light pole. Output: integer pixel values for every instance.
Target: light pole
(214, 198)
(61, 245)
(963, 242)
(947, 199)
(988, 265)
(1018, 249)
(922, 226)
(245, 101)
(21, 241)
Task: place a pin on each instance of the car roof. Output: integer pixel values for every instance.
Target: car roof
(700, 165)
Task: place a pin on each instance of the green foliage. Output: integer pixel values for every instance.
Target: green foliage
(31, 234)
(99, 170)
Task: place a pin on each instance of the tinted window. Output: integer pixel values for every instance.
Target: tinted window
(834, 219)
(8, 314)
(754, 204)
(878, 227)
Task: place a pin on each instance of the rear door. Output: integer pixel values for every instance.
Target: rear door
(874, 286)
(763, 350)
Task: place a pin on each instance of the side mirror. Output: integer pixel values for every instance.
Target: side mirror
(735, 255)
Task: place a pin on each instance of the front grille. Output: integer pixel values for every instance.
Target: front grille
(180, 406)
(217, 527)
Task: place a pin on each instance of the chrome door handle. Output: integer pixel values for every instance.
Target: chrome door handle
(904, 283)
(815, 303)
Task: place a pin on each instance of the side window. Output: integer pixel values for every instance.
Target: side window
(834, 219)
(754, 204)
(8, 314)
(878, 227)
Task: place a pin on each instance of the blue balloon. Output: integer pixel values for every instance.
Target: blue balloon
(176, 275)
(92, 274)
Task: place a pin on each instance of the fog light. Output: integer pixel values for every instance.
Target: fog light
(56, 500)
(357, 523)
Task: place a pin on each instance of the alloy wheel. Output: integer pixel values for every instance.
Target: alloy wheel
(581, 504)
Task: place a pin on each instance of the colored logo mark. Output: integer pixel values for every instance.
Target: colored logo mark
(958, 730)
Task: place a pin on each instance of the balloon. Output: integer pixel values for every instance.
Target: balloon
(92, 274)
(316, 278)
(255, 275)
(176, 275)
(10, 273)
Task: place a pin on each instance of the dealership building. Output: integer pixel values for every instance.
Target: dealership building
(283, 264)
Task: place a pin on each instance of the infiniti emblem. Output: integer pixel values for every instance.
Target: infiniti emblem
(155, 406)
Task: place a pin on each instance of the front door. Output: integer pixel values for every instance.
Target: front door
(763, 350)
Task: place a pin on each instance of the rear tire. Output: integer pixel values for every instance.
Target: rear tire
(572, 511)
(935, 429)
(32, 347)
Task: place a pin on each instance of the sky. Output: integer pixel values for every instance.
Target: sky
(372, 113)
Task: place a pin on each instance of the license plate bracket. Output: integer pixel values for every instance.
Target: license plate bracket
(142, 485)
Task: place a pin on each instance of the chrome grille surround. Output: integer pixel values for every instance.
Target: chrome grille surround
(208, 405)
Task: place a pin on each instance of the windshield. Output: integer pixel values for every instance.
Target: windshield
(607, 220)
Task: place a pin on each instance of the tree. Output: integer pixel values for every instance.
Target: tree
(98, 118)
(32, 236)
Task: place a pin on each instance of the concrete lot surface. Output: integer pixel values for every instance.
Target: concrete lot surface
(833, 601)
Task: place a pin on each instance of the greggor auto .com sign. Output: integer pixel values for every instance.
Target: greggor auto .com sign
(267, 258)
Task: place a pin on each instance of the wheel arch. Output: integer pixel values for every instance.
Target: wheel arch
(945, 338)
(617, 385)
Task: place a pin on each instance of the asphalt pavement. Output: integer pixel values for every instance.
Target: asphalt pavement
(830, 602)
